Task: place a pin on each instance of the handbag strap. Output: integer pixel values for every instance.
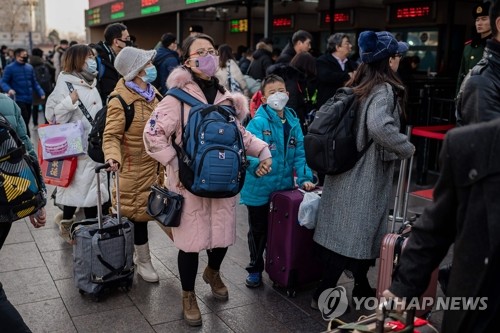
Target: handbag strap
(80, 104)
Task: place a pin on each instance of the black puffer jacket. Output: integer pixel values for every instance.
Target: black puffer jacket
(106, 84)
(261, 61)
(479, 101)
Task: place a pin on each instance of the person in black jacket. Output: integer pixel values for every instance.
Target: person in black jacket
(479, 100)
(334, 67)
(301, 42)
(116, 37)
(261, 61)
(465, 213)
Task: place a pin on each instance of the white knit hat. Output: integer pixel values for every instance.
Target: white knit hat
(131, 60)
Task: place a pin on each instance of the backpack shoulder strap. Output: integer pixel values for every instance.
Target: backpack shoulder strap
(184, 97)
(127, 108)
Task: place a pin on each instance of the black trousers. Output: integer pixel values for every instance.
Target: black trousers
(140, 232)
(10, 319)
(26, 114)
(334, 265)
(188, 265)
(257, 237)
(69, 211)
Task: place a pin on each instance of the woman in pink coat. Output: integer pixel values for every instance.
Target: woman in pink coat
(206, 223)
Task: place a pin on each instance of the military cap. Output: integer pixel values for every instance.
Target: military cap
(481, 10)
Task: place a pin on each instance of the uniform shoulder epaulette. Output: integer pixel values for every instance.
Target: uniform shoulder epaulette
(468, 42)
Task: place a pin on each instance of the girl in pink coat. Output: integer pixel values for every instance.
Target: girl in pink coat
(206, 223)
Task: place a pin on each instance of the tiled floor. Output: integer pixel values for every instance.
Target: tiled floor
(36, 271)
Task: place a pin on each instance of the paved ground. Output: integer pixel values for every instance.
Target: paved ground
(36, 271)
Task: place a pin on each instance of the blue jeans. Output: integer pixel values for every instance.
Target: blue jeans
(10, 320)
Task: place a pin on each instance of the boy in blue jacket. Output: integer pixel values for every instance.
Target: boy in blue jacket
(280, 128)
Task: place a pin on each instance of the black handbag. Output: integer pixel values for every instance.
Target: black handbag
(165, 206)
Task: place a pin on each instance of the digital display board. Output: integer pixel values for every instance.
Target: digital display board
(117, 10)
(93, 16)
(338, 17)
(239, 25)
(283, 21)
(150, 7)
(122, 10)
(343, 17)
(422, 11)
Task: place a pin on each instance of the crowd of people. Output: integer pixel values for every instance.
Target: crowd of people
(352, 217)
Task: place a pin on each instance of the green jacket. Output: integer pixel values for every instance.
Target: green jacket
(473, 52)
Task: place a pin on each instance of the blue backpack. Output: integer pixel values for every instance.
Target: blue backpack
(212, 159)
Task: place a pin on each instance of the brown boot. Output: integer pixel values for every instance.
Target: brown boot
(190, 310)
(212, 277)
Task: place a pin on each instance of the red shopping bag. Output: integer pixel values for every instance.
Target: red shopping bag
(57, 172)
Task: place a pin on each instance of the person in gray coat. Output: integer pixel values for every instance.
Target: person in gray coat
(353, 212)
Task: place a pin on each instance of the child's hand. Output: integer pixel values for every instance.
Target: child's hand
(264, 167)
(308, 186)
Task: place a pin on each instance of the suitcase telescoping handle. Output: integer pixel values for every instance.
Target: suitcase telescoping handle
(99, 200)
(401, 200)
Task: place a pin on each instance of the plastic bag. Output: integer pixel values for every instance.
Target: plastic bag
(308, 210)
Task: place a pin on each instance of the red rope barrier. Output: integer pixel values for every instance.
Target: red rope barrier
(431, 132)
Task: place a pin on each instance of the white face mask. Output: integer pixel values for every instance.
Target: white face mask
(277, 101)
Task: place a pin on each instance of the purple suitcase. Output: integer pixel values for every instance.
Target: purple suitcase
(290, 261)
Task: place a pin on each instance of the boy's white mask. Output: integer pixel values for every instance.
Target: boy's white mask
(277, 101)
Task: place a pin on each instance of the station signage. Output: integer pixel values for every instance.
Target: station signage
(239, 25)
(150, 7)
(93, 16)
(413, 12)
(117, 10)
(343, 17)
(339, 16)
(283, 22)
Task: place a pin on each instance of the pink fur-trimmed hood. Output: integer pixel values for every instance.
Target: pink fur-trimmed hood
(182, 78)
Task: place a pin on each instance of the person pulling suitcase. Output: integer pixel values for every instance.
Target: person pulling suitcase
(280, 128)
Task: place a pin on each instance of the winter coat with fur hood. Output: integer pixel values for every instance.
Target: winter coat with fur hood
(206, 223)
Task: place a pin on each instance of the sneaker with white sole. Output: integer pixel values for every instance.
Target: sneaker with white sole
(253, 280)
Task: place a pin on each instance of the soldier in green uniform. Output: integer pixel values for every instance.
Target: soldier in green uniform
(473, 51)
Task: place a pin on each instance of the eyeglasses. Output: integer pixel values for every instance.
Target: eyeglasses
(399, 55)
(203, 52)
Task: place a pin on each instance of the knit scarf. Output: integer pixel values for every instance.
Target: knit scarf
(148, 94)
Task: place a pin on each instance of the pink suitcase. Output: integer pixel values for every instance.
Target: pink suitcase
(290, 261)
(393, 243)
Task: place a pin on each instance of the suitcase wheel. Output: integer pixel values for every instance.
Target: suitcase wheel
(291, 293)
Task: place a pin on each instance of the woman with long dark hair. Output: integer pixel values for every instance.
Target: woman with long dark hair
(206, 223)
(353, 212)
(228, 73)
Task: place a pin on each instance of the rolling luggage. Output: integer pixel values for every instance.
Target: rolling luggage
(103, 250)
(393, 243)
(290, 261)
